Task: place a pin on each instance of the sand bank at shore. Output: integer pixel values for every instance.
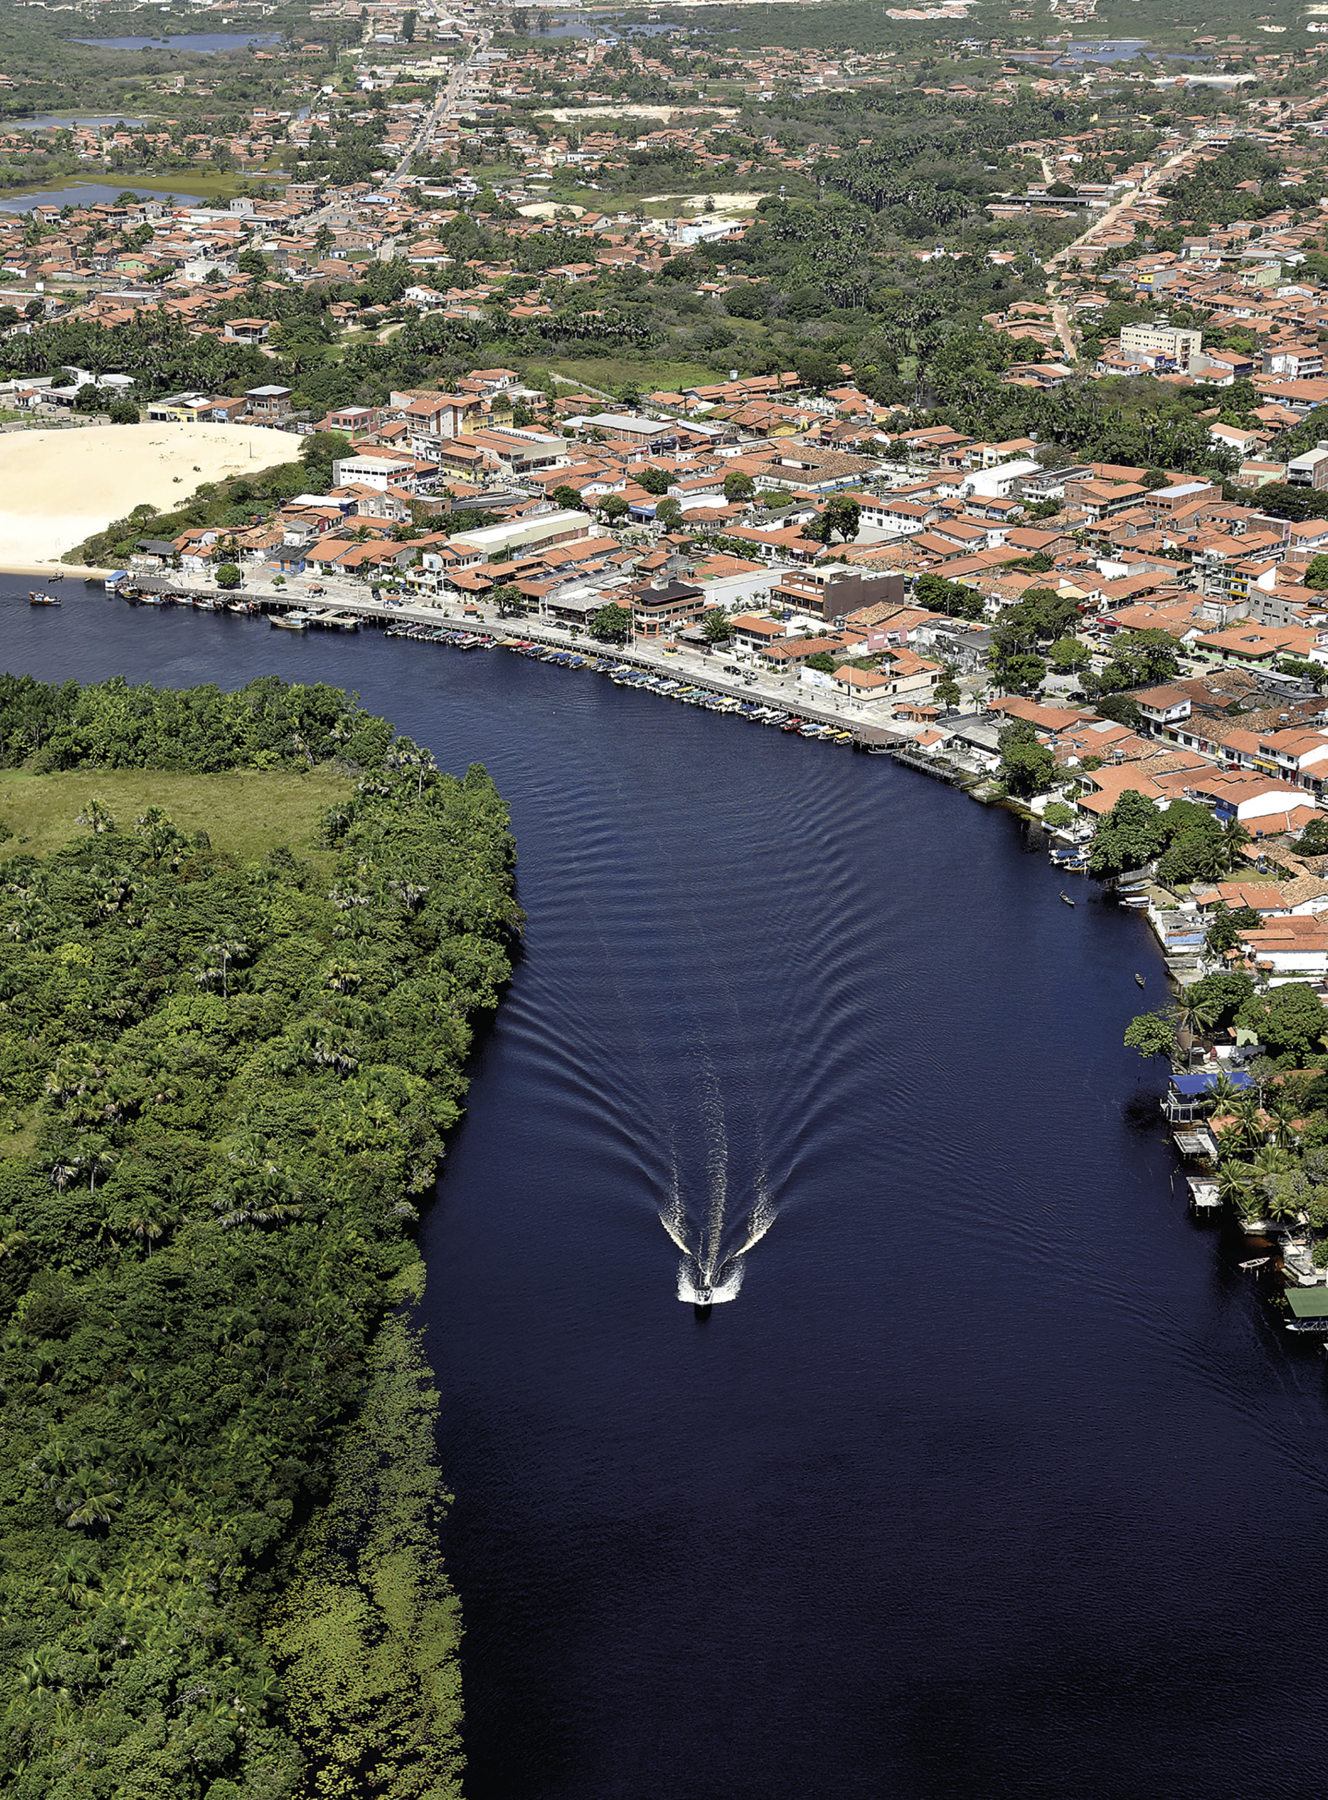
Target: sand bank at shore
(58, 487)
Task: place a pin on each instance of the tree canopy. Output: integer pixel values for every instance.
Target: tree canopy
(224, 1087)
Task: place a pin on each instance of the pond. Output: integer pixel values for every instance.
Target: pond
(84, 193)
(201, 42)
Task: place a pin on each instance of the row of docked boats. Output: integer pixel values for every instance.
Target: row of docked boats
(435, 634)
(210, 603)
(670, 687)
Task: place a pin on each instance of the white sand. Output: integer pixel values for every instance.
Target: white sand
(696, 202)
(572, 115)
(548, 209)
(58, 487)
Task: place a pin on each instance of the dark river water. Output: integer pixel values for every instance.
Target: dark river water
(995, 1477)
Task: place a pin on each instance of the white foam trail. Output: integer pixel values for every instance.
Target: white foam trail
(675, 1224)
(693, 1290)
(705, 1277)
(763, 1216)
(709, 1274)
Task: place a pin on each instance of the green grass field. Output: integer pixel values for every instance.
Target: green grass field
(610, 372)
(213, 186)
(249, 811)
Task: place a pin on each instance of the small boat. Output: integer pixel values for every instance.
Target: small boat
(296, 622)
(1255, 1262)
(36, 599)
(1066, 898)
(1140, 980)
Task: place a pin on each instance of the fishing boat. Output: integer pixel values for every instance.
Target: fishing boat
(288, 621)
(1139, 979)
(38, 599)
(1066, 898)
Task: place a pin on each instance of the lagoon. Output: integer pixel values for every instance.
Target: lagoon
(86, 193)
(203, 42)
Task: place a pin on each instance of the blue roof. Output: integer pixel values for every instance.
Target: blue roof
(1191, 1086)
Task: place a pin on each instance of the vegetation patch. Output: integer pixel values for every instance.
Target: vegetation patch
(248, 811)
(226, 1076)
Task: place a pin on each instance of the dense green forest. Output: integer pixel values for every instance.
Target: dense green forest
(225, 1084)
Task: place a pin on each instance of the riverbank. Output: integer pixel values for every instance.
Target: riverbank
(47, 572)
(988, 1417)
(298, 1503)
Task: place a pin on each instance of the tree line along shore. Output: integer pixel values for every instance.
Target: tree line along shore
(227, 1072)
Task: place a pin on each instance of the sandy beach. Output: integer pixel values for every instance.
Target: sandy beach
(57, 487)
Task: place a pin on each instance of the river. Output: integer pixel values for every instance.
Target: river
(995, 1476)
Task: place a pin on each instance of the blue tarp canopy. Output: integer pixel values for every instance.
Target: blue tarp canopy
(1189, 1087)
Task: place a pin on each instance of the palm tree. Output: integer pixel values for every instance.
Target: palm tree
(1271, 1161)
(1195, 1012)
(1230, 1140)
(1282, 1109)
(1222, 1090)
(100, 1160)
(1233, 840)
(146, 1226)
(1283, 1199)
(227, 951)
(98, 815)
(1248, 1111)
(75, 1581)
(1233, 1184)
(94, 1500)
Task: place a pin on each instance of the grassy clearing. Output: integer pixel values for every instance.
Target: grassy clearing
(249, 811)
(212, 186)
(610, 372)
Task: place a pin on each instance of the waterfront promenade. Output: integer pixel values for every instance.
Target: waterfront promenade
(681, 661)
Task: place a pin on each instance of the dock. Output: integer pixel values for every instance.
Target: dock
(935, 766)
(1196, 1143)
(436, 624)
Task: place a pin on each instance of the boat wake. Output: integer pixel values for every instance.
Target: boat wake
(710, 1274)
(713, 1244)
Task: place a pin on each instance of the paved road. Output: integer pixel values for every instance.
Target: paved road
(682, 661)
(1060, 316)
(448, 94)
